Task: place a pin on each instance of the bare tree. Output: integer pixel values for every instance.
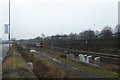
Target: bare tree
(43, 35)
(87, 34)
(107, 32)
(117, 30)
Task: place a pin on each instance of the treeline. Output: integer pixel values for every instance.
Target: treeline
(105, 40)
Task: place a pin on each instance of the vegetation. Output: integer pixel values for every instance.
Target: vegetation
(105, 41)
(14, 66)
(43, 68)
(102, 71)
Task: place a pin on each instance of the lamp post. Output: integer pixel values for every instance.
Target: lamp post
(118, 36)
(9, 24)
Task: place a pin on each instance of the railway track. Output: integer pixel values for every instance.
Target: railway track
(107, 58)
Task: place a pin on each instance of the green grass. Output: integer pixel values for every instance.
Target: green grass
(100, 71)
(111, 50)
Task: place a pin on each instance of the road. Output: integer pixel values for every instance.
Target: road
(81, 72)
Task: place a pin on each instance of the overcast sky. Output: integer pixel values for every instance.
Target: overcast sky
(30, 18)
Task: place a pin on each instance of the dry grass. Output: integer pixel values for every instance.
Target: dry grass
(14, 65)
(103, 71)
(45, 69)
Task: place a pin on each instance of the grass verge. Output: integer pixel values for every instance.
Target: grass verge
(14, 66)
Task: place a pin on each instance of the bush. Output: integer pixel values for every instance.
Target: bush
(43, 69)
(63, 55)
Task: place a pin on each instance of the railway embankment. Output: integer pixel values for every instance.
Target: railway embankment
(14, 66)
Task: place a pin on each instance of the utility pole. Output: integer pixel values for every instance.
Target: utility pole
(9, 24)
(118, 29)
